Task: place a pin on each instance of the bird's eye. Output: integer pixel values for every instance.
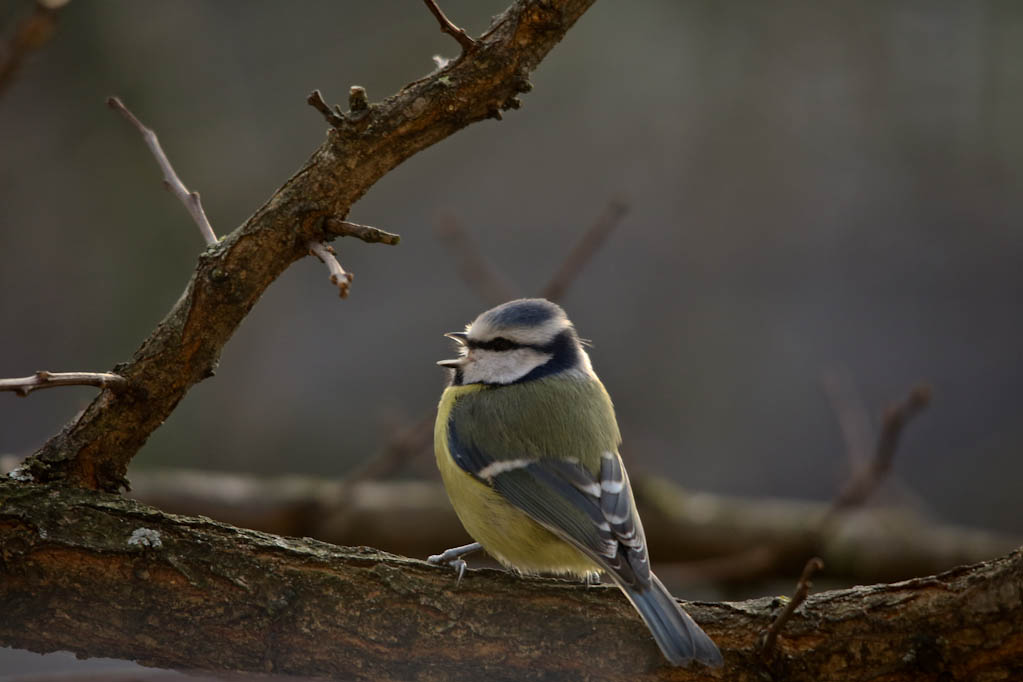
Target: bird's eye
(501, 343)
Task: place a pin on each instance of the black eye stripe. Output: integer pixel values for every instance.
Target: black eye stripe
(498, 344)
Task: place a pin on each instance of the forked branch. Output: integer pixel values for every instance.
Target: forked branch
(467, 43)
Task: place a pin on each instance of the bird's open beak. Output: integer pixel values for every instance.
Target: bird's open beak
(461, 339)
(458, 337)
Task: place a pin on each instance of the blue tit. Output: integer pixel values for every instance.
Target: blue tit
(527, 444)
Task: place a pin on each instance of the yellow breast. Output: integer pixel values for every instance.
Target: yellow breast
(507, 533)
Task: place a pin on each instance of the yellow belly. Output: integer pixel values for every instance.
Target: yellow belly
(506, 533)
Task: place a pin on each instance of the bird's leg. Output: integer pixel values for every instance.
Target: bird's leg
(453, 558)
(592, 578)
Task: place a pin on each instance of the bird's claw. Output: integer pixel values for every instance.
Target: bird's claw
(453, 558)
(458, 564)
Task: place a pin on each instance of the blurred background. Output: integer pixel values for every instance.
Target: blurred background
(820, 194)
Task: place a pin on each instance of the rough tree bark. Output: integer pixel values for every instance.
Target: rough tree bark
(93, 450)
(101, 575)
(414, 518)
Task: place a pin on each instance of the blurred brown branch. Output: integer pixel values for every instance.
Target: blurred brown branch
(764, 556)
(31, 33)
(866, 479)
(476, 270)
(697, 535)
(585, 248)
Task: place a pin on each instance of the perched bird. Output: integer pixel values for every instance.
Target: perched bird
(527, 444)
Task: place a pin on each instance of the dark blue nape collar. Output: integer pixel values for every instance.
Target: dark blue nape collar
(565, 355)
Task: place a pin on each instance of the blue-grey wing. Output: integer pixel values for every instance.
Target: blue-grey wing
(594, 512)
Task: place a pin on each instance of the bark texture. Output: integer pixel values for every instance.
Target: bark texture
(101, 575)
(94, 449)
(414, 518)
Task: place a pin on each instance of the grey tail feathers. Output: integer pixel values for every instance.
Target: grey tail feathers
(681, 640)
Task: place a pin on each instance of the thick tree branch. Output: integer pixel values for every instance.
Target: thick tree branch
(414, 518)
(196, 594)
(43, 379)
(170, 178)
(94, 449)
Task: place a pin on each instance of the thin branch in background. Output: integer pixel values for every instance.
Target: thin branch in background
(44, 379)
(467, 43)
(587, 245)
(402, 448)
(802, 592)
(370, 235)
(31, 33)
(476, 270)
(761, 559)
(852, 417)
(895, 419)
(859, 435)
(170, 179)
(341, 279)
(316, 101)
(393, 457)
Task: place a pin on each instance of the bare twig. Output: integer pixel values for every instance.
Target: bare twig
(895, 418)
(338, 276)
(467, 43)
(800, 595)
(588, 244)
(43, 379)
(170, 179)
(315, 100)
(476, 270)
(371, 235)
(32, 33)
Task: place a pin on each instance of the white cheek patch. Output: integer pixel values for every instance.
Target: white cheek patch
(501, 367)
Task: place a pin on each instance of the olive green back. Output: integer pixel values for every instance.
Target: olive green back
(554, 417)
